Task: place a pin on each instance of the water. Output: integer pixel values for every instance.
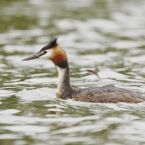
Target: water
(106, 36)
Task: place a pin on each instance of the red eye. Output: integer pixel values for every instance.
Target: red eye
(45, 52)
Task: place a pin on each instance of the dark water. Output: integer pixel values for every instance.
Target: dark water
(107, 36)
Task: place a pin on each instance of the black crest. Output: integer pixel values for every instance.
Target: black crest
(51, 44)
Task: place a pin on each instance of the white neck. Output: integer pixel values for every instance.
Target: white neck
(64, 87)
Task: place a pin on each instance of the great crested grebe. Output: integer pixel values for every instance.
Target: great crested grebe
(105, 94)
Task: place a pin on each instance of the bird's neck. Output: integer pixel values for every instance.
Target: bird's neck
(64, 87)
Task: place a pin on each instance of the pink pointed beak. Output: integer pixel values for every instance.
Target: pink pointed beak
(36, 56)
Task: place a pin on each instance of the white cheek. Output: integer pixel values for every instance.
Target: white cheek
(47, 55)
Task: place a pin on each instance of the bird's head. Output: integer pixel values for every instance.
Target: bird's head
(52, 52)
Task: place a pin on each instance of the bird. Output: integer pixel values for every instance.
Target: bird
(104, 94)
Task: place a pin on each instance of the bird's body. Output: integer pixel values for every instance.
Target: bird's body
(105, 94)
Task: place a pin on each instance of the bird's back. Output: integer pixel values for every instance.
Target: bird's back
(107, 94)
